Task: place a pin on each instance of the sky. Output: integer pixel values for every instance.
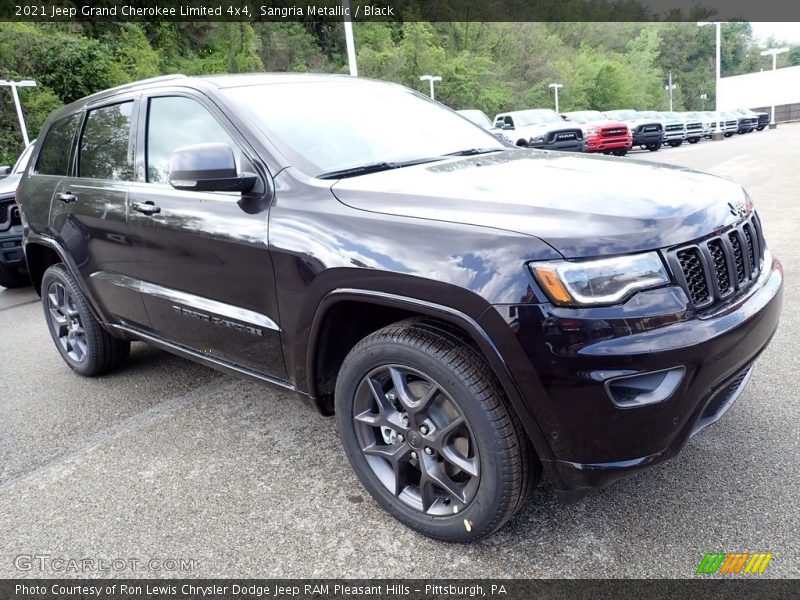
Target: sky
(787, 32)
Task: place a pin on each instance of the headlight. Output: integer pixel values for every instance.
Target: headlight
(601, 281)
(592, 131)
(539, 139)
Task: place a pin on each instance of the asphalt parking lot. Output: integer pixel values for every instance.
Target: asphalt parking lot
(166, 459)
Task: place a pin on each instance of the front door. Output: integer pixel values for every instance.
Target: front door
(207, 277)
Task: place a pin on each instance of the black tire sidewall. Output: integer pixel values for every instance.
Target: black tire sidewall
(58, 273)
(485, 504)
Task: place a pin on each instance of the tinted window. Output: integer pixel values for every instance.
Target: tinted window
(176, 122)
(105, 152)
(54, 158)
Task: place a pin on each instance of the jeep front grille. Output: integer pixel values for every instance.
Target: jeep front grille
(715, 269)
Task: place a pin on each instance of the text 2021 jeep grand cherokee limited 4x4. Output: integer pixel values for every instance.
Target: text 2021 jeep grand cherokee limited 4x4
(472, 313)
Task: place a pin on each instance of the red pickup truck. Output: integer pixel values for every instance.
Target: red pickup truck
(600, 133)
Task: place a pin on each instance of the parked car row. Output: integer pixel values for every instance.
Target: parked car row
(615, 131)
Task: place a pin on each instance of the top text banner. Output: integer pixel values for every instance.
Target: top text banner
(399, 10)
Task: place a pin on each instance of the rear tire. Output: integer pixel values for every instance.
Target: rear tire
(447, 491)
(13, 278)
(654, 147)
(84, 345)
(675, 144)
(619, 152)
(693, 140)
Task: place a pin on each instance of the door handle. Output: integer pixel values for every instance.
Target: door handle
(146, 208)
(67, 198)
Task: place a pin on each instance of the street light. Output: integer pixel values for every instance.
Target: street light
(348, 38)
(717, 135)
(671, 86)
(774, 53)
(555, 87)
(14, 85)
(432, 79)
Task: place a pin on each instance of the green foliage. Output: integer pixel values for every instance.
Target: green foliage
(794, 56)
(490, 66)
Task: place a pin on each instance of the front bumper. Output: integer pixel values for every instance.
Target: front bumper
(11, 252)
(566, 146)
(598, 143)
(575, 352)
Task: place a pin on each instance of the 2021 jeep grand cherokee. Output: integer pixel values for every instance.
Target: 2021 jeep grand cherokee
(472, 313)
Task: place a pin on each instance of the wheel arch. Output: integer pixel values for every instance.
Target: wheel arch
(42, 252)
(320, 375)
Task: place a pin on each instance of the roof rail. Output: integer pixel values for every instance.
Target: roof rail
(132, 84)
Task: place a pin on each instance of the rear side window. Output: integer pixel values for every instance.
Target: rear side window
(56, 153)
(174, 122)
(105, 145)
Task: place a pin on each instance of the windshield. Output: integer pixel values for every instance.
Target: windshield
(536, 117)
(586, 116)
(477, 116)
(343, 123)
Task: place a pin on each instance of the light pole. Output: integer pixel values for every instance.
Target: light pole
(432, 79)
(774, 53)
(555, 87)
(348, 39)
(704, 97)
(671, 86)
(717, 135)
(14, 85)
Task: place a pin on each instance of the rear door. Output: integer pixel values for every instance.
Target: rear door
(208, 281)
(88, 211)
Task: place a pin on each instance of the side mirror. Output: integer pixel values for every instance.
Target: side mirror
(208, 168)
(5, 171)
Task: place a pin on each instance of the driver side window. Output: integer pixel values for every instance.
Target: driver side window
(175, 122)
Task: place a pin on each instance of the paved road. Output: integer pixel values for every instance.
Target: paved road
(167, 459)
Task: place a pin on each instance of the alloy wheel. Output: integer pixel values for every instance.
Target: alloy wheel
(66, 322)
(416, 440)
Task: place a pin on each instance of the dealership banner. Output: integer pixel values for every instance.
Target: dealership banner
(395, 589)
(397, 10)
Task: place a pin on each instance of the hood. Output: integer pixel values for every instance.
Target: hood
(602, 124)
(544, 128)
(8, 185)
(581, 205)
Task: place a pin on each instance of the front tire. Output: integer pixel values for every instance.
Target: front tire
(675, 144)
(430, 434)
(13, 278)
(84, 345)
(654, 147)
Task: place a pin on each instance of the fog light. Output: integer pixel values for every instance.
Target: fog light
(644, 389)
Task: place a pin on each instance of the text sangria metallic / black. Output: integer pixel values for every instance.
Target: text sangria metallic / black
(471, 312)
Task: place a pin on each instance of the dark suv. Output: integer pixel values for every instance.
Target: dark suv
(12, 259)
(472, 313)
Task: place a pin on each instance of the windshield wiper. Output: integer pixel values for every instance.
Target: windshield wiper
(474, 151)
(375, 168)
